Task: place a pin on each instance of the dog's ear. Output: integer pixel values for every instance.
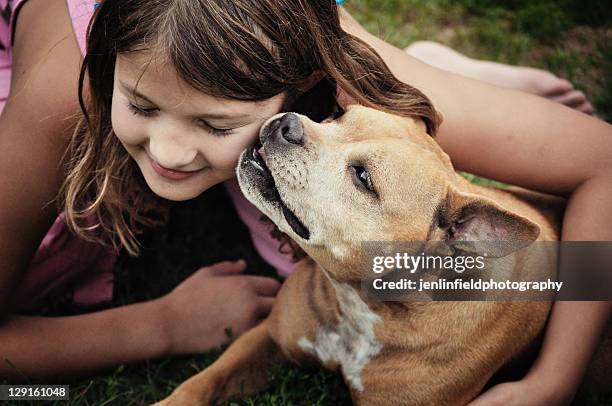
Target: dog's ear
(477, 224)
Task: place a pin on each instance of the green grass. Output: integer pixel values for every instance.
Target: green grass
(567, 37)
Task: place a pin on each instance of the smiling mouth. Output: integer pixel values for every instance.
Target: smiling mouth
(172, 174)
(268, 189)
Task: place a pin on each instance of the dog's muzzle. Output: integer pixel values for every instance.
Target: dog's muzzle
(286, 130)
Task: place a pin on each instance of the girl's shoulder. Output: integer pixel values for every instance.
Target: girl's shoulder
(81, 13)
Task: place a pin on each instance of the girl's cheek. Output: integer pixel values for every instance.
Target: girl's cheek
(228, 152)
(228, 159)
(128, 128)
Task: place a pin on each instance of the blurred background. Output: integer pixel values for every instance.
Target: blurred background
(570, 38)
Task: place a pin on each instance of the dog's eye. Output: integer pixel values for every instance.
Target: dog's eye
(362, 178)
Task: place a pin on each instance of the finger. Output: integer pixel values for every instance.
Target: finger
(571, 99)
(560, 87)
(483, 400)
(586, 108)
(264, 286)
(496, 396)
(477, 402)
(225, 268)
(264, 305)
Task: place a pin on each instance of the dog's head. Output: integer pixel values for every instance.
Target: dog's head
(365, 176)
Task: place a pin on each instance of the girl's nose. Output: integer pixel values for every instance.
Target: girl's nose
(171, 152)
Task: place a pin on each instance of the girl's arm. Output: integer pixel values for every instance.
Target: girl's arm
(531, 142)
(34, 130)
(59, 346)
(564, 356)
(193, 318)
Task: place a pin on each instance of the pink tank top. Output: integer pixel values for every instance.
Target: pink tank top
(63, 259)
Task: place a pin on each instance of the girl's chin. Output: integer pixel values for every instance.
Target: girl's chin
(182, 189)
(175, 191)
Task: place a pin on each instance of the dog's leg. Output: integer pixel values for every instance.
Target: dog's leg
(240, 370)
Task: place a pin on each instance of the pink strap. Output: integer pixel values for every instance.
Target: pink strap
(81, 12)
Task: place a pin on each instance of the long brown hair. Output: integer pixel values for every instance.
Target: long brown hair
(239, 49)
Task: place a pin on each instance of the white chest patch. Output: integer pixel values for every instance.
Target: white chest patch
(351, 343)
(339, 252)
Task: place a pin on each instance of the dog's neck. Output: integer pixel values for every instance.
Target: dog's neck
(351, 342)
(351, 304)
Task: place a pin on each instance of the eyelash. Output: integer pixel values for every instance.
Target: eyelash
(217, 131)
(139, 111)
(149, 112)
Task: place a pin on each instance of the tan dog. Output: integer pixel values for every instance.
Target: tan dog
(377, 177)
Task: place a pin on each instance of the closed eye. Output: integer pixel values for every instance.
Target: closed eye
(215, 130)
(142, 111)
(151, 111)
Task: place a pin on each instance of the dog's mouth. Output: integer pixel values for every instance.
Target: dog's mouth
(256, 156)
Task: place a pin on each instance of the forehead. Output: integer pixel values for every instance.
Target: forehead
(380, 135)
(364, 123)
(145, 69)
(153, 75)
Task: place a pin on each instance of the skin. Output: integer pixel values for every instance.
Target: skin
(476, 133)
(180, 128)
(530, 80)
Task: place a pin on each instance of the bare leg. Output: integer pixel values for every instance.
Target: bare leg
(530, 80)
(241, 370)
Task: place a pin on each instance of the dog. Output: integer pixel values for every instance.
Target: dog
(373, 176)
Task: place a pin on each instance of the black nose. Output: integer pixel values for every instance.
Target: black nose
(287, 128)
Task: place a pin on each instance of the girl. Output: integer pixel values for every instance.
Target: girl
(173, 91)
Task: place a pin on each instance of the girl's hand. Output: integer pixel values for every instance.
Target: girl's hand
(526, 392)
(214, 305)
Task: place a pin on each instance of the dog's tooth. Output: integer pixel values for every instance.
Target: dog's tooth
(256, 165)
(262, 153)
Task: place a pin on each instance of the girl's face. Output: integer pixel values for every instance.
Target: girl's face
(183, 140)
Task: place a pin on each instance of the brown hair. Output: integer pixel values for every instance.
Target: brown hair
(239, 49)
